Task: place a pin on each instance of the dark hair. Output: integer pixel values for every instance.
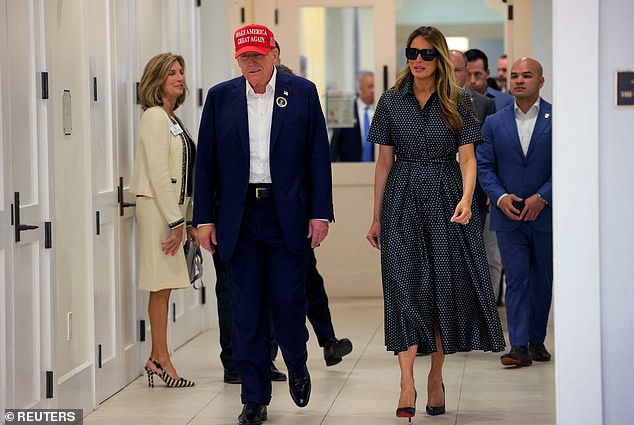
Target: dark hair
(492, 83)
(277, 46)
(475, 54)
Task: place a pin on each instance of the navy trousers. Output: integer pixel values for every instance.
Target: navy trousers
(225, 321)
(318, 310)
(527, 256)
(265, 277)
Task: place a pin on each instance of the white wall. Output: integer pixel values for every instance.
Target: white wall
(594, 232)
(616, 176)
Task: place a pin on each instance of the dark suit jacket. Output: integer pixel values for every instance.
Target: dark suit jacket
(503, 168)
(345, 145)
(299, 160)
(484, 106)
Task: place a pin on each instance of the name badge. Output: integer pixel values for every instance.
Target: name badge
(176, 129)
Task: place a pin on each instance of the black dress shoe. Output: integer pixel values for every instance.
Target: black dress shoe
(299, 386)
(539, 352)
(252, 414)
(518, 356)
(276, 375)
(231, 377)
(335, 349)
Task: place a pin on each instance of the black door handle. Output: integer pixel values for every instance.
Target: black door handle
(19, 227)
(122, 204)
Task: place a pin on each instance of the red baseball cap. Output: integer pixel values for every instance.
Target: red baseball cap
(253, 38)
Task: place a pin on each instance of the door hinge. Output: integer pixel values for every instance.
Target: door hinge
(277, 16)
(99, 364)
(203, 294)
(98, 222)
(138, 98)
(200, 97)
(44, 82)
(49, 384)
(385, 78)
(141, 330)
(48, 235)
(242, 15)
(198, 3)
(174, 312)
(510, 12)
(94, 89)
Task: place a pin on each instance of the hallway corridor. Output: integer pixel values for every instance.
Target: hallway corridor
(362, 390)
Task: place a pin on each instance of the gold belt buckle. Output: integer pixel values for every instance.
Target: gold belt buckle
(257, 192)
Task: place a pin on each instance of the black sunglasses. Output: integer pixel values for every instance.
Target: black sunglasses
(412, 53)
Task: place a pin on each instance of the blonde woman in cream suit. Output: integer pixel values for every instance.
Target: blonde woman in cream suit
(162, 181)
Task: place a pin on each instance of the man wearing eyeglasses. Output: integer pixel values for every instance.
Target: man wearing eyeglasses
(263, 200)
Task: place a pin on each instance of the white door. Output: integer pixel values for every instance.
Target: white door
(26, 235)
(126, 71)
(117, 352)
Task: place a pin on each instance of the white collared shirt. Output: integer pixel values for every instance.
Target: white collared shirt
(260, 114)
(526, 123)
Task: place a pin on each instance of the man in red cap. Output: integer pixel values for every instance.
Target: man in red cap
(263, 200)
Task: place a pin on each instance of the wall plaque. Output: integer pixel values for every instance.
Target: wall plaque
(624, 87)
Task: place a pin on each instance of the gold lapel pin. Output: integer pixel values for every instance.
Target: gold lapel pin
(546, 115)
(285, 93)
(281, 102)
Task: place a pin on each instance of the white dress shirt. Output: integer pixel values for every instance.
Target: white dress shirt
(260, 113)
(526, 123)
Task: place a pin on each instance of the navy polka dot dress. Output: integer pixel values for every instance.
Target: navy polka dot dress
(429, 264)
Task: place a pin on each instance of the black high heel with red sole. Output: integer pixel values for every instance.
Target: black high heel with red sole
(435, 411)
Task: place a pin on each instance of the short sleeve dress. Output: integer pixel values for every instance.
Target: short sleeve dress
(430, 266)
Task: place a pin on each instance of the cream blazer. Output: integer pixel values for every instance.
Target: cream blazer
(160, 166)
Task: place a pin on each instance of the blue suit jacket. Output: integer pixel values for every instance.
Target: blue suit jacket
(501, 99)
(299, 160)
(503, 167)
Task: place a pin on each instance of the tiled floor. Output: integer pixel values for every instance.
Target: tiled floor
(363, 389)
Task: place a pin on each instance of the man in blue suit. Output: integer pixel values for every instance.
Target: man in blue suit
(263, 200)
(514, 168)
(350, 144)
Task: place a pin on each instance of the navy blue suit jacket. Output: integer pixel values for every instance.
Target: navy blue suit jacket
(503, 167)
(299, 160)
(501, 99)
(345, 145)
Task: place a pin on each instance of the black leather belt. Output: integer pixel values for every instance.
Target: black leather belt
(260, 191)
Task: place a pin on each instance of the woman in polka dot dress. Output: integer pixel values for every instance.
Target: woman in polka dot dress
(436, 284)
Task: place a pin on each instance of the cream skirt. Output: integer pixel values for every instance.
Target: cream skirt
(158, 271)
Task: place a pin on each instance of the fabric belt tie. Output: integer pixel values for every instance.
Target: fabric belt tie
(426, 160)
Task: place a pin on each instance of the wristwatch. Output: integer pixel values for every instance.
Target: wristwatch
(541, 198)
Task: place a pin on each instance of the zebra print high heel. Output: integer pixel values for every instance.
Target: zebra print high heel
(151, 372)
(169, 381)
